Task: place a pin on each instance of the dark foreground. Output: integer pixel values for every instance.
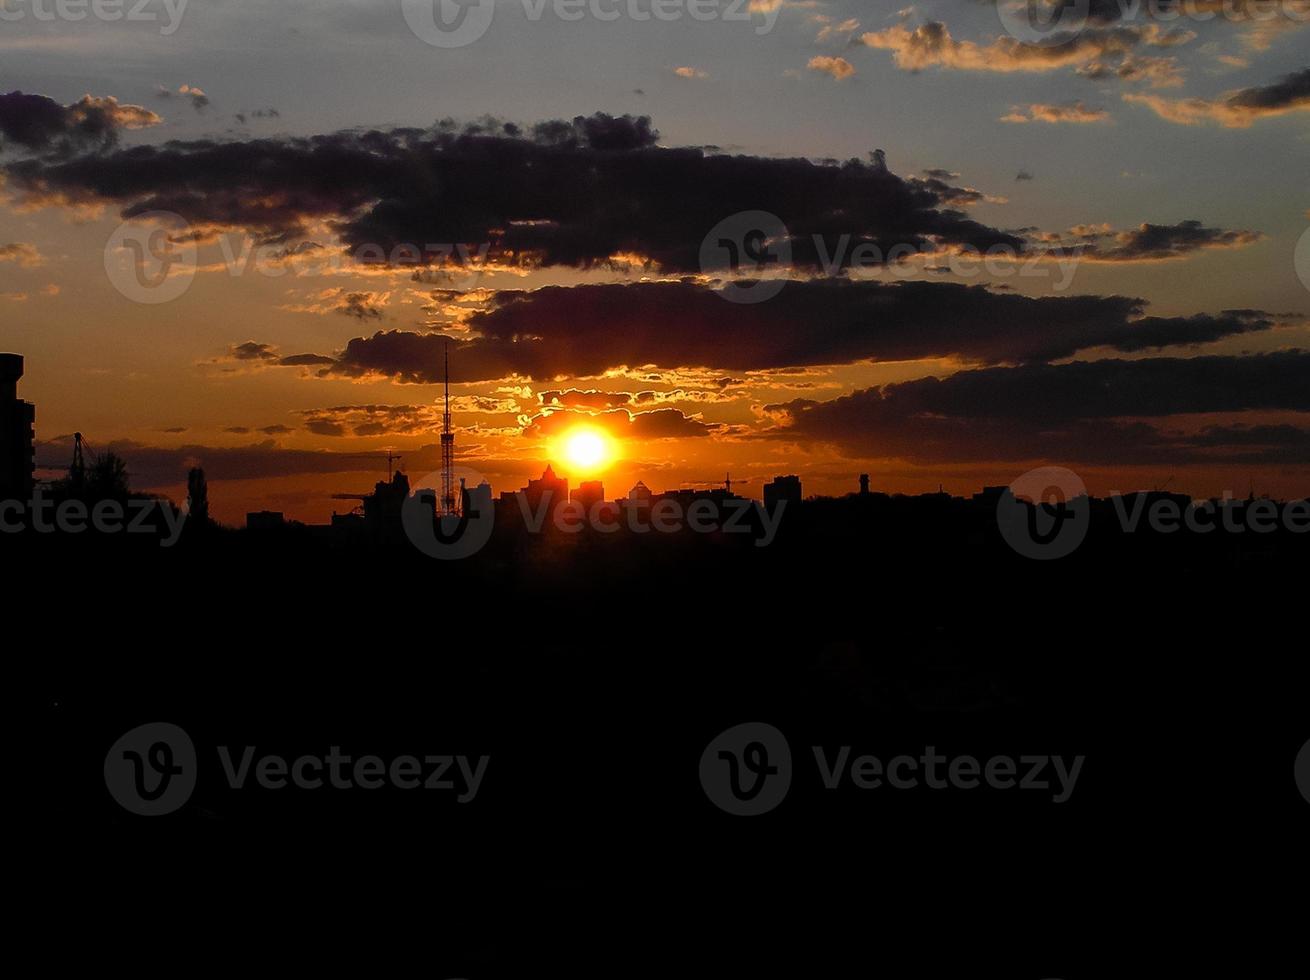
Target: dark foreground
(592, 675)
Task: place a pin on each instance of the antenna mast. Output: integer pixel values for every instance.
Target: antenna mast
(449, 505)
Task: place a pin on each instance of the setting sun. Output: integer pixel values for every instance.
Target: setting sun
(586, 449)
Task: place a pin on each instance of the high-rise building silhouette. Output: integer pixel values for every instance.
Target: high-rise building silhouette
(17, 435)
(782, 488)
(477, 501)
(557, 487)
(589, 492)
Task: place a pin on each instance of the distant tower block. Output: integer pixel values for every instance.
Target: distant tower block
(17, 439)
(450, 503)
(782, 489)
(864, 484)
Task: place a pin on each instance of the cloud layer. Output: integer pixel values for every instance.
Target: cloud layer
(564, 193)
(1088, 412)
(584, 331)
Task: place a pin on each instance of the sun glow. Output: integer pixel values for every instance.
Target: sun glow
(586, 449)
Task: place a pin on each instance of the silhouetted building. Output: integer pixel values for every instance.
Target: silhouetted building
(639, 494)
(689, 495)
(265, 520)
(556, 486)
(782, 488)
(864, 484)
(589, 492)
(383, 509)
(990, 496)
(17, 438)
(477, 501)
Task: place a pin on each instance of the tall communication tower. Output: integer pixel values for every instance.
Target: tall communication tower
(449, 497)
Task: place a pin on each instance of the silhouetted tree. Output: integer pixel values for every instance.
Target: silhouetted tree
(198, 496)
(106, 478)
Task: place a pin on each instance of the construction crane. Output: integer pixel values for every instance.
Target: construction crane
(361, 497)
(77, 468)
(726, 482)
(389, 456)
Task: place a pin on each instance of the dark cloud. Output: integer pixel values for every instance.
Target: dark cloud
(325, 427)
(584, 331)
(569, 193)
(1089, 412)
(373, 420)
(578, 398)
(191, 93)
(252, 351)
(1152, 243)
(408, 420)
(1290, 92)
(361, 306)
(40, 125)
(154, 466)
(930, 44)
(663, 423)
(592, 399)
(269, 113)
(1106, 12)
(1236, 110)
(306, 360)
